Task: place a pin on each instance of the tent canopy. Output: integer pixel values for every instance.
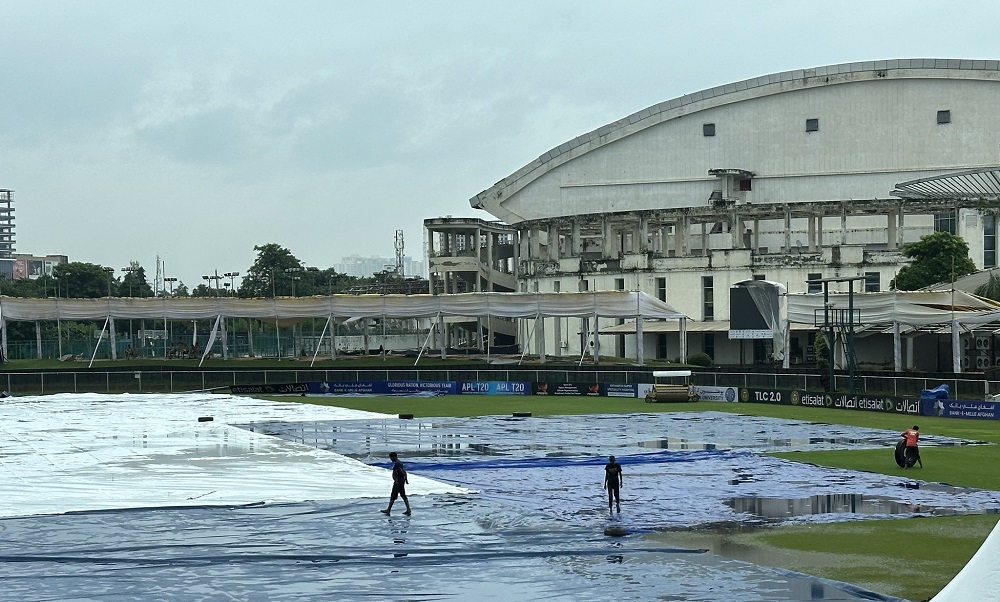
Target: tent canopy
(915, 308)
(611, 304)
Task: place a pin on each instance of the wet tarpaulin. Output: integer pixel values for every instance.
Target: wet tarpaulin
(674, 475)
(132, 498)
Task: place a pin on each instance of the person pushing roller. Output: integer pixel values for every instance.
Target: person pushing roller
(912, 452)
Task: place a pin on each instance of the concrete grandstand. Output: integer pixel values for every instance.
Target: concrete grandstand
(802, 175)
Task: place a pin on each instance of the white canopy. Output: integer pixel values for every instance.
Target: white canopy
(914, 308)
(610, 304)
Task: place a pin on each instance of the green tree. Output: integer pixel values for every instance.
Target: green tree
(937, 257)
(990, 289)
(82, 280)
(134, 282)
(267, 276)
(203, 290)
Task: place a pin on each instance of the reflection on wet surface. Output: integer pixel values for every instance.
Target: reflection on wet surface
(852, 503)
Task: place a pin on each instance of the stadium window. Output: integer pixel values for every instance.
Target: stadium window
(989, 241)
(708, 298)
(873, 282)
(812, 125)
(708, 129)
(943, 117)
(556, 287)
(708, 345)
(944, 222)
(661, 346)
(814, 287)
(619, 284)
(759, 277)
(661, 289)
(584, 286)
(745, 185)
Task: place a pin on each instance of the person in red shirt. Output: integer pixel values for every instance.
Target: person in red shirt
(912, 436)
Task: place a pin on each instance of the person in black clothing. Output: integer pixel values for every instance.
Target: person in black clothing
(613, 483)
(399, 482)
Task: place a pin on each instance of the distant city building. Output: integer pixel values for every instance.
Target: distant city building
(30, 266)
(6, 233)
(364, 267)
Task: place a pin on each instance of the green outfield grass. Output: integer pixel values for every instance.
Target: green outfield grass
(910, 558)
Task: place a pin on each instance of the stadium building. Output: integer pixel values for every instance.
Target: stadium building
(793, 177)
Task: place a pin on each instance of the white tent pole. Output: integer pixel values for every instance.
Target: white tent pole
(524, 348)
(3, 336)
(320, 340)
(956, 344)
(786, 341)
(211, 340)
(99, 339)
(430, 331)
(113, 337)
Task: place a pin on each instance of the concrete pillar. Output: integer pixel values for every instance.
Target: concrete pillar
(643, 234)
(576, 239)
(491, 240)
(639, 359)
(608, 242)
(682, 231)
(788, 230)
(704, 238)
(682, 338)
(736, 230)
(756, 235)
(843, 226)
(811, 232)
(554, 242)
(819, 231)
(890, 225)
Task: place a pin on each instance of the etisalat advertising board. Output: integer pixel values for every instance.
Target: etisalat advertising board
(841, 401)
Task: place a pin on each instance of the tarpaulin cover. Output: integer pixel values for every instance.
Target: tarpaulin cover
(129, 497)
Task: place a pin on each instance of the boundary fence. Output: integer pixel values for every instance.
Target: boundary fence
(165, 380)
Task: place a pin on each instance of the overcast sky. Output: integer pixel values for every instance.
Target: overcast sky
(193, 131)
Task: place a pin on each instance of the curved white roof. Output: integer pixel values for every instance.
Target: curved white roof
(766, 85)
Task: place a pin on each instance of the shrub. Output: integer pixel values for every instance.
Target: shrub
(700, 359)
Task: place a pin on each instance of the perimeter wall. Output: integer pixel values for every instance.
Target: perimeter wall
(154, 380)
